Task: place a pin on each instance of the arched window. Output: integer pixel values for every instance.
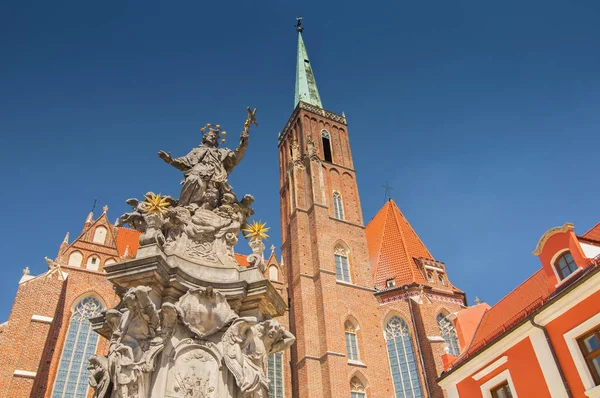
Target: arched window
(565, 265)
(449, 334)
(100, 235)
(338, 208)
(357, 388)
(441, 280)
(75, 259)
(80, 343)
(351, 346)
(110, 261)
(93, 263)
(273, 273)
(275, 375)
(326, 140)
(430, 276)
(403, 363)
(342, 269)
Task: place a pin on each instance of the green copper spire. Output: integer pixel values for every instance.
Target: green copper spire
(306, 86)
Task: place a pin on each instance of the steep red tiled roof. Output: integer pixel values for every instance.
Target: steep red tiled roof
(127, 240)
(393, 246)
(593, 234)
(526, 297)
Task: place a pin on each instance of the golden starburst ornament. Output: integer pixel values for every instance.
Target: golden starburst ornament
(256, 231)
(155, 204)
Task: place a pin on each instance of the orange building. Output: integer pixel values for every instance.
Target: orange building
(543, 338)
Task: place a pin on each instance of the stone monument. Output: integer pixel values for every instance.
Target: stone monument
(191, 321)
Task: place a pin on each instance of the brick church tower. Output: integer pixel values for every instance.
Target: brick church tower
(365, 302)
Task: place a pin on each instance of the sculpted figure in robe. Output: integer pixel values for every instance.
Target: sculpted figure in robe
(207, 165)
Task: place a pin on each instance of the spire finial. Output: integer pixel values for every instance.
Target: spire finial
(26, 271)
(306, 86)
(477, 300)
(105, 209)
(66, 239)
(387, 188)
(299, 27)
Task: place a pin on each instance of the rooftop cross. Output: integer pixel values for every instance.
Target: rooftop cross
(388, 188)
(299, 27)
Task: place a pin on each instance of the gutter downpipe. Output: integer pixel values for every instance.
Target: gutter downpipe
(551, 346)
(412, 318)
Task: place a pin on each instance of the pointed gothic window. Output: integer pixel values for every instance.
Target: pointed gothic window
(338, 208)
(273, 273)
(275, 374)
(326, 140)
(441, 280)
(100, 235)
(357, 388)
(448, 332)
(80, 342)
(403, 363)
(342, 270)
(351, 346)
(565, 265)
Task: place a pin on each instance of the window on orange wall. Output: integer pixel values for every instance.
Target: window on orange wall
(501, 391)
(565, 265)
(590, 347)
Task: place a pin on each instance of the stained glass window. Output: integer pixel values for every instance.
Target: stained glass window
(275, 374)
(403, 363)
(449, 334)
(338, 209)
(80, 344)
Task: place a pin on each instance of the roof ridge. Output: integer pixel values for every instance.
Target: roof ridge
(416, 234)
(385, 209)
(410, 259)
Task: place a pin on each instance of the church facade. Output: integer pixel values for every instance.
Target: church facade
(373, 312)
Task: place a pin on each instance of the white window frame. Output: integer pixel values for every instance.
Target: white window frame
(580, 363)
(488, 386)
(553, 265)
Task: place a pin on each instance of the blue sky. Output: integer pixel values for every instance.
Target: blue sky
(483, 116)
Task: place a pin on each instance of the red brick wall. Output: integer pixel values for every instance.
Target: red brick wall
(319, 304)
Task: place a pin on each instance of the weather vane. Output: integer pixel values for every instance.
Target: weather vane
(299, 27)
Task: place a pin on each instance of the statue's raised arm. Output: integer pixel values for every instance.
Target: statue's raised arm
(244, 137)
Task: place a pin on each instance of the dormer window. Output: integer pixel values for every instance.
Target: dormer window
(390, 283)
(565, 265)
(430, 276)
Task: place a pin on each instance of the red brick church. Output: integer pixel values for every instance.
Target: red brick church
(374, 313)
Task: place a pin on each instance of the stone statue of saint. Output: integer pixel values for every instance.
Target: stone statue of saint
(206, 166)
